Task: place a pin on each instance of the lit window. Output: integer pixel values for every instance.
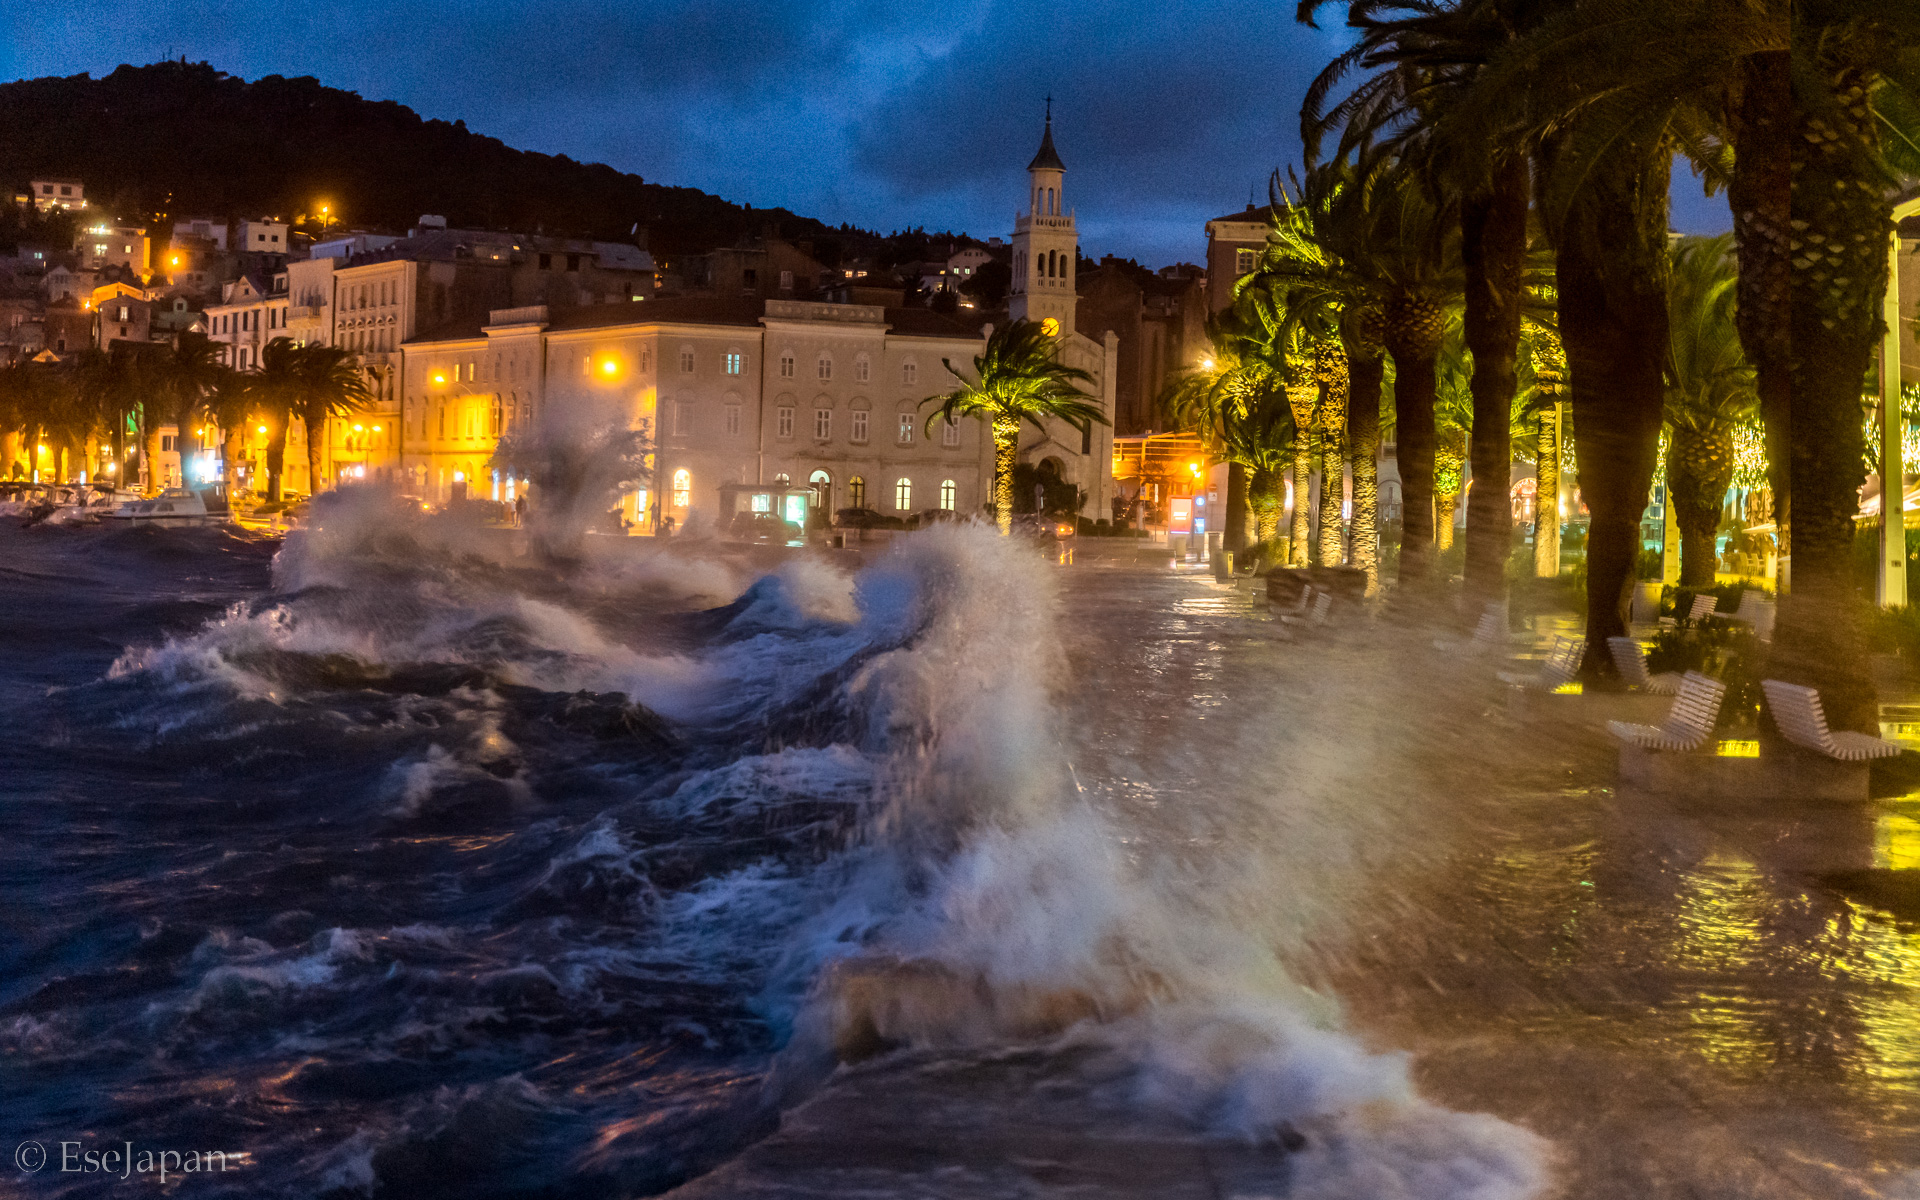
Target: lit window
(859, 425)
(860, 369)
(682, 488)
(733, 362)
(903, 494)
(948, 494)
(823, 423)
(733, 420)
(686, 360)
(950, 433)
(857, 492)
(909, 372)
(825, 368)
(586, 365)
(906, 429)
(786, 366)
(784, 418)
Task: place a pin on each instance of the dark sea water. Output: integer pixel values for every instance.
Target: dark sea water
(394, 864)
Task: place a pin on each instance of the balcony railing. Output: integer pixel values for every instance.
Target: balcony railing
(530, 314)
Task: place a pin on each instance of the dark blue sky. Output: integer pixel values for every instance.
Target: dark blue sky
(883, 113)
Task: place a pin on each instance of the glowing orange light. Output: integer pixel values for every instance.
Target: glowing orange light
(608, 366)
(440, 378)
(1050, 327)
(263, 429)
(1195, 468)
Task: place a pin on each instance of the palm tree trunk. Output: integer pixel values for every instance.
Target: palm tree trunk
(1760, 194)
(1006, 453)
(1612, 274)
(1494, 250)
(1414, 389)
(1299, 533)
(1331, 367)
(277, 461)
(1843, 224)
(1699, 470)
(1364, 375)
(1546, 502)
(235, 443)
(150, 449)
(1264, 498)
(1239, 516)
(1445, 506)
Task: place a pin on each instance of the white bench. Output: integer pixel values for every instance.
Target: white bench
(1561, 665)
(1702, 607)
(1802, 721)
(1755, 609)
(1299, 604)
(1689, 723)
(1322, 604)
(1489, 634)
(1631, 662)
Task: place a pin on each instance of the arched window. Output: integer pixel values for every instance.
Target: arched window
(856, 492)
(822, 485)
(948, 494)
(782, 480)
(682, 488)
(903, 494)
(1053, 202)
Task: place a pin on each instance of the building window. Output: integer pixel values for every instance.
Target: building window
(948, 494)
(682, 419)
(734, 359)
(825, 367)
(822, 423)
(859, 425)
(733, 420)
(166, 443)
(786, 281)
(1244, 261)
(950, 433)
(786, 366)
(906, 429)
(682, 488)
(903, 494)
(686, 360)
(909, 373)
(646, 359)
(784, 418)
(856, 492)
(860, 369)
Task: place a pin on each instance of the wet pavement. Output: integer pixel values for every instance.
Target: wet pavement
(1674, 995)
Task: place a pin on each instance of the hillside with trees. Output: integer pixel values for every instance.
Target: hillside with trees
(176, 138)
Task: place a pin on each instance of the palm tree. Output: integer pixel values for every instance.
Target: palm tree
(1235, 403)
(1432, 54)
(276, 386)
(1017, 377)
(1330, 372)
(231, 404)
(1856, 138)
(1548, 360)
(187, 374)
(1710, 392)
(327, 384)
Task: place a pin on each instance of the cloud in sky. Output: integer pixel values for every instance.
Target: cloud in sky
(882, 113)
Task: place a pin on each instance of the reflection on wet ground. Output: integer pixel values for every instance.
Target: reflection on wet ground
(1673, 994)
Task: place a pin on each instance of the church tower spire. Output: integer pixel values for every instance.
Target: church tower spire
(1045, 243)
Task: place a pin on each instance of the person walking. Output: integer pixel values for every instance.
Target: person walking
(519, 510)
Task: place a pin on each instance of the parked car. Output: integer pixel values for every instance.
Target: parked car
(865, 518)
(764, 527)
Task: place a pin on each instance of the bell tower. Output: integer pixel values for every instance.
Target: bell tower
(1045, 244)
